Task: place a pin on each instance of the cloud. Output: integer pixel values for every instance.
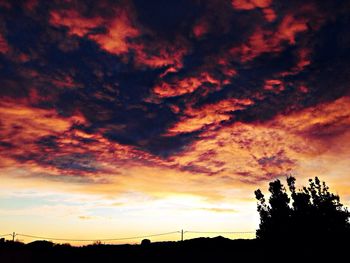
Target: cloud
(242, 152)
(4, 47)
(161, 54)
(86, 217)
(266, 41)
(129, 95)
(209, 114)
(250, 4)
(200, 29)
(322, 122)
(219, 210)
(253, 4)
(115, 40)
(74, 22)
(119, 34)
(269, 149)
(25, 123)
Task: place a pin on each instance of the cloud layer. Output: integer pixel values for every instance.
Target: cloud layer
(122, 92)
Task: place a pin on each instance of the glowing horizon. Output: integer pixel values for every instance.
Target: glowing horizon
(129, 118)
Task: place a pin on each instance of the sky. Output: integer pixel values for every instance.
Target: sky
(128, 118)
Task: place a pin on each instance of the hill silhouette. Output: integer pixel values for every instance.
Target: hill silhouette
(217, 249)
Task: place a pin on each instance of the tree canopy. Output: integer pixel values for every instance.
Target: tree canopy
(312, 212)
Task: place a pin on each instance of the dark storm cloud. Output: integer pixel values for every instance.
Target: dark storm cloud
(154, 75)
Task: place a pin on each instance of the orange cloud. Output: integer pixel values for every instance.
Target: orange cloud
(21, 128)
(303, 61)
(120, 37)
(178, 87)
(266, 41)
(250, 4)
(209, 114)
(261, 151)
(25, 123)
(119, 31)
(245, 152)
(322, 122)
(74, 21)
(234, 156)
(249, 153)
(289, 27)
(160, 54)
(274, 85)
(46, 144)
(268, 12)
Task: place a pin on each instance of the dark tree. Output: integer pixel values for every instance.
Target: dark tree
(145, 242)
(310, 213)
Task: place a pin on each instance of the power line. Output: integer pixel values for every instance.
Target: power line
(210, 232)
(182, 232)
(105, 239)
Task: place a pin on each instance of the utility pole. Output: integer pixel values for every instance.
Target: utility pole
(13, 236)
(182, 235)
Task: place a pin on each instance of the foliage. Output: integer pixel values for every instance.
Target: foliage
(145, 242)
(311, 212)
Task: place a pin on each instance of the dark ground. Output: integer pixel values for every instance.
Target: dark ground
(217, 249)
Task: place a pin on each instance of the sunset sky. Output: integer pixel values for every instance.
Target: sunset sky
(127, 118)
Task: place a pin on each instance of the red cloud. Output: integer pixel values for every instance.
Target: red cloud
(74, 21)
(30, 5)
(325, 120)
(210, 114)
(178, 87)
(120, 36)
(47, 141)
(267, 41)
(289, 27)
(250, 4)
(249, 153)
(259, 151)
(4, 46)
(44, 142)
(253, 4)
(119, 31)
(274, 85)
(269, 14)
(303, 60)
(161, 54)
(205, 78)
(22, 123)
(200, 29)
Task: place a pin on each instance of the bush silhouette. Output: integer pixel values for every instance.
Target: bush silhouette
(145, 242)
(310, 213)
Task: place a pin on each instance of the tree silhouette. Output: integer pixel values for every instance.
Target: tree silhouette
(310, 213)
